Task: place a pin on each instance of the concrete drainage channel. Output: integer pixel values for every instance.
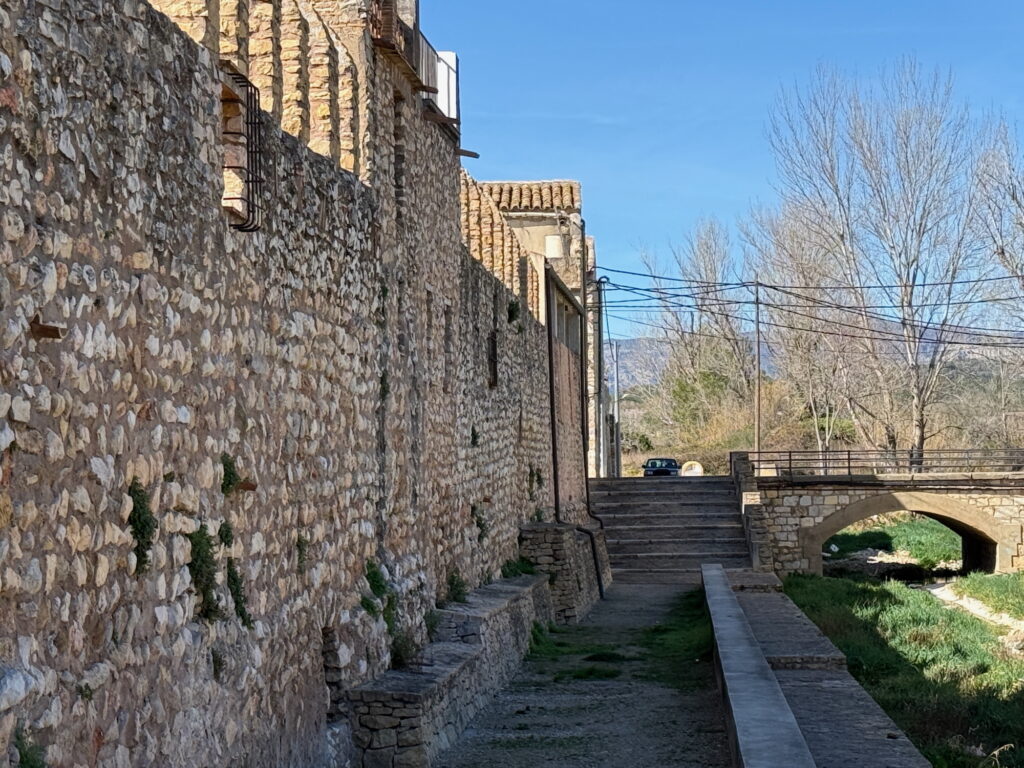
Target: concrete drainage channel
(790, 701)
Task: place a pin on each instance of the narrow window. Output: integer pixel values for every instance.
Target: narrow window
(449, 349)
(241, 135)
(399, 179)
(492, 359)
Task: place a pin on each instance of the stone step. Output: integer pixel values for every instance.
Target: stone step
(646, 533)
(671, 562)
(713, 529)
(676, 546)
(640, 576)
(630, 482)
(657, 520)
(667, 492)
(663, 505)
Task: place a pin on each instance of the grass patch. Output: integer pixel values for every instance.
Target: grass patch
(942, 675)
(680, 648)
(588, 673)
(545, 646)
(929, 542)
(610, 657)
(520, 567)
(1000, 592)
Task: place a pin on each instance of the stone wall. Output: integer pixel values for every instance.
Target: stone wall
(566, 555)
(338, 361)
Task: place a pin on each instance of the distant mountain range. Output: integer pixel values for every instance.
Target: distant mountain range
(641, 361)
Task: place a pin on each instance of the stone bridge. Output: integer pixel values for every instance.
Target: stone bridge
(789, 513)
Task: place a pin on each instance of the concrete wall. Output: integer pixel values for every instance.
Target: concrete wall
(338, 357)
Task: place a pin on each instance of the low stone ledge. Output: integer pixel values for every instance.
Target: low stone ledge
(842, 724)
(406, 717)
(763, 730)
(753, 581)
(788, 639)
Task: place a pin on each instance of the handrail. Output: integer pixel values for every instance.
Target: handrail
(874, 462)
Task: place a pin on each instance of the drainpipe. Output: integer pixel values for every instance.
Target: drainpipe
(551, 391)
(554, 435)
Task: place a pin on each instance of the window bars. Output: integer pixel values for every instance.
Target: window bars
(243, 152)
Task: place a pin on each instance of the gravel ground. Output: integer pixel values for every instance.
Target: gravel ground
(545, 718)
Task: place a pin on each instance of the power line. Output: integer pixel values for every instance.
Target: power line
(971, 281)
(940, 328)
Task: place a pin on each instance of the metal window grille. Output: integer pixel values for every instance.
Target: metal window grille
(252, 171)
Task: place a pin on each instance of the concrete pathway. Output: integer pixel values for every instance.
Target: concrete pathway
(548, 717)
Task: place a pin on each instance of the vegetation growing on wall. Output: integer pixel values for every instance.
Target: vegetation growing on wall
(204, 574)
(237, 589)
(226, 534)
(231, 480)
(458, 589)
(514, 310)
(301, 553)
(482, 524)
(143, 524)
(29, 755)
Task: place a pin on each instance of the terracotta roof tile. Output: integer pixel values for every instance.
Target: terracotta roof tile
(534, 196)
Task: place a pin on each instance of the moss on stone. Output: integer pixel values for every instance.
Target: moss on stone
(204, 570)
(231, 480)
(237, 589)
(375, 578)
(143, 524)
(29, 755)
(370, 606)
(226, 534)
(301, 553)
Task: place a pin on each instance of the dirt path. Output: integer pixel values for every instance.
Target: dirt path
(563, 710)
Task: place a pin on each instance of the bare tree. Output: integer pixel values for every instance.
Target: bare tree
(882, 183)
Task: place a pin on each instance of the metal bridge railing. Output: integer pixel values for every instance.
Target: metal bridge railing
(880, 462)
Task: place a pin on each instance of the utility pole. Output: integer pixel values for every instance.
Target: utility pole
(757, 355)
(615, 411)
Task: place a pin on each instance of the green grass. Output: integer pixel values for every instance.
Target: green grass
(929, 542)
(588, 673)
(1000, 592)
(942, 675)
(680, 647)
(553, 646)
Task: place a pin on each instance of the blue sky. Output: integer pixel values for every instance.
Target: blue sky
(660, 107)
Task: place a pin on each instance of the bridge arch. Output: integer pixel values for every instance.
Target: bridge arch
(988, 545)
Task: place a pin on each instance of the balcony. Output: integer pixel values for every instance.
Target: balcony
(439, 72)
(398, 41)
(434, 73)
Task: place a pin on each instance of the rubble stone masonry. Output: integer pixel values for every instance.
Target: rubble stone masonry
(285, 409)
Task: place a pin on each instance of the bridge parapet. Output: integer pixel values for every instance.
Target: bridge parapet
(788, 516)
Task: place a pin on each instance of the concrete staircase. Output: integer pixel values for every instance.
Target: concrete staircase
(661, 530)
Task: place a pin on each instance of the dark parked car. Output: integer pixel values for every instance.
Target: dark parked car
(661, 468)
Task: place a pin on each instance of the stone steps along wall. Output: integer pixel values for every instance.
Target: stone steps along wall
(407, 717)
